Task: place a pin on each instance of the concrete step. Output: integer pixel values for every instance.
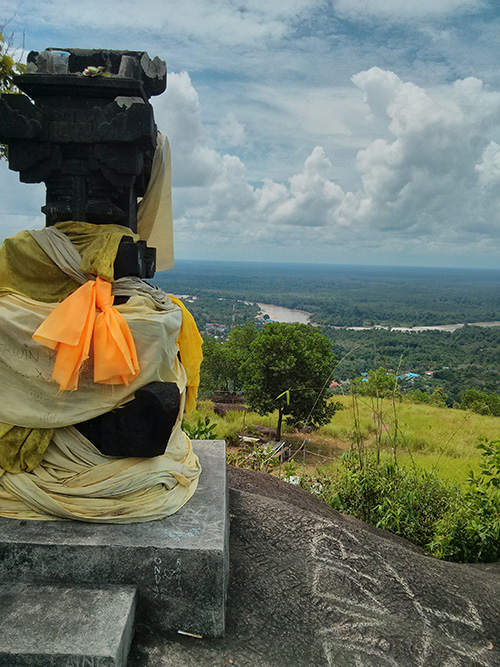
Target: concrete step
(179, 565)
(65, 626)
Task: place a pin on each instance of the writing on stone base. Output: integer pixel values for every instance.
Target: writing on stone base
(166, 579)
(81, 661)
(178, 535)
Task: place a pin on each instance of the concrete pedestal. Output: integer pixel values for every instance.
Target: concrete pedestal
(179, 565)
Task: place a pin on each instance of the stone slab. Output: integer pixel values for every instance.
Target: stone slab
(65, 626)
(179, 565)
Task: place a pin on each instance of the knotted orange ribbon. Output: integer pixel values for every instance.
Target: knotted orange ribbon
(69, 330)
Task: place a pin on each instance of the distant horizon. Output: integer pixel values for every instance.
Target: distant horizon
(336, 265)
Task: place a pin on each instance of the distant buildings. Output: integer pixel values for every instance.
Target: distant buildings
(216, 330)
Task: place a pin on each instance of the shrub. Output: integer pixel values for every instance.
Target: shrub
(470, 530)
(204, 429)
(406, 502)
(480, 402)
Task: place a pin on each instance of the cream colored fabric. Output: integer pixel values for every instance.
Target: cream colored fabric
(75, 481)
(63, 253)
(26, 367)
(154, 215)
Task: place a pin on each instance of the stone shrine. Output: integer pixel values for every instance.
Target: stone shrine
(100, 367)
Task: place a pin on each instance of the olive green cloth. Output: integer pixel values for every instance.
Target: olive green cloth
(97, 244)
(25, 268)
(22, 449)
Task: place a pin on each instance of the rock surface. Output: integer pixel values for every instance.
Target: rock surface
(311, 587)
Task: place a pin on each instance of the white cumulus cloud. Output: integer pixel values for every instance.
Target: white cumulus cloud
(404, 9)
(431, 182)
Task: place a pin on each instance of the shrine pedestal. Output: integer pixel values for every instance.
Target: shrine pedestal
(179, 565)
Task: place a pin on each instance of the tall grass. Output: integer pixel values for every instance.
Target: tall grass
(421, 428)
(455, 469)
(434, 439)
(406, 468)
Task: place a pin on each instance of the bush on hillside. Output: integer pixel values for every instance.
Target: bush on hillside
(405, 502)
(470, 531)
(480, 402)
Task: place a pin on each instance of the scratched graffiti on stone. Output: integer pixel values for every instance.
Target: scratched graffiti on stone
(349, 583)
(166, 579)
(178, 535)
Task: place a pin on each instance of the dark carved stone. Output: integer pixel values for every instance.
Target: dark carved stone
(139, 428)
(137, 65)
(134, 259)
(91, 139)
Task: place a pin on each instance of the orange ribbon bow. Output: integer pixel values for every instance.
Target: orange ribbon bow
(69, 330)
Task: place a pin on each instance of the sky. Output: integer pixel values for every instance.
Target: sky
(329, 131)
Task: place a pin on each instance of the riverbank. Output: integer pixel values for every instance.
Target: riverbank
(450, 328)
(291, 316)
(282, 314)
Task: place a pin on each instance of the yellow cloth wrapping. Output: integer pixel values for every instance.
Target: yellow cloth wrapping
(25, 268)
(22, 265)
(130, 489)
(75, 481)
(97, 244)
(154, 213)
(21, 255)
(190, 347)
(26, 367)
(31, 286)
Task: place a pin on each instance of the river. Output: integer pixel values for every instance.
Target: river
(289, 315)
(437, 327)
(282, 314)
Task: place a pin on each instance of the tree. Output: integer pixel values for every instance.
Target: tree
(379, 383)
(222, 361)
(439, 398)
(237, 349)
(213, 371)
(288, 369)
(480, 402)
(9, 68)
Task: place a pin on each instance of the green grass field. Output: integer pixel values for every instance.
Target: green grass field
(433, 438)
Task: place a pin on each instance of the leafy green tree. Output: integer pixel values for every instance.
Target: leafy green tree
(237, 349)
(288, 369)
(378, 383)
(480, 402)
(220, 370)
(214, 369)
(418, 396)
(9, 67)
(439, 398)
